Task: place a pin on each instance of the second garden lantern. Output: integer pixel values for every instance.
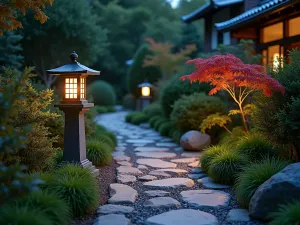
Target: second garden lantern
(145, 98)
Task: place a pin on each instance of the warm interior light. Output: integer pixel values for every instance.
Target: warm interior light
(82, 88)
(71, 88)
(145, 91)
(277, 60)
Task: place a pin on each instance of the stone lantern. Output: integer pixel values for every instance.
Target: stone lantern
(74, 105)
(145, 98)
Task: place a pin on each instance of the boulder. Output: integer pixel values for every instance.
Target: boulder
(281, 188)
(194, 140)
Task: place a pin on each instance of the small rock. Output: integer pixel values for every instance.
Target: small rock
(117, 209)
(156, 163)
(157, 193)
(158, 155)
(126, 178)
(162, 202)
(142, 167)
(196, 170)
(129, 170)
(124, 163)
(194, 140)
(212, 198)
(183, 217)
(184, 160)
(150, 149)
(122, 194)
(147, 178)
(171, 183)
(238, 215)
(121, 158)
(197, 175)
(112, 219)
(207, 182)
(194, 164)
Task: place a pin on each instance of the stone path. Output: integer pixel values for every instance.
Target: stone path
(160, 184)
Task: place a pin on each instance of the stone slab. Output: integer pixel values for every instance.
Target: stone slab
(197, 175)
(112, 219)
(120, 148)
(170, 183)
(207, 182)
(128, 170)
(139, 141)
(156, 163)
(157, 155)
(197, 170)
(150, 149)
(124, 163)
(162, 202)
(157, 193)
(184, 160)
(115, 209)
(124, 178)
(122, 194)
(166, 144)
(190, 154)
(194, 164)
(159, 173)
(172, 171)
(238, 215)
(121, 158)
(147, 178)
(142, 167)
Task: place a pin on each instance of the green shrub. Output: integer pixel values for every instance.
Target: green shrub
(101, 109)
(46, 177)
(99, 128)
(98, 152)
(23, 215)
(210, 154)
(153, 120)
(59, 156)
(153, 109)
(159, 121)
(176, 135)
(89, 123)
(255, 147)
(103, 93)
(113, 137)
(175, 88)
(189, 111)
(129, 102)
(111, 108)
(139, 118)
(77, 186)
(232, 140)
(50, 204)
(165, 128)
(287, 214)
(106, 137)
(137, 73)
(225, 166)
(253, 176)
(130, 116)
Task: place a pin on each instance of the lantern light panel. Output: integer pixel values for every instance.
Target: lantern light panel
(82, 88)
(145, 91)
(71, 88)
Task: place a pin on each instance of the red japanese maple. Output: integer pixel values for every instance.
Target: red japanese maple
(227, 72)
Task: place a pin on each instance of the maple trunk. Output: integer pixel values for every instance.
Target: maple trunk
(243, 118)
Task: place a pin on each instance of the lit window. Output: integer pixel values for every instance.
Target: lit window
(82, 88)
(294, 26)
(71, 88)
(275, 57)
(272, 33)
(145, 91)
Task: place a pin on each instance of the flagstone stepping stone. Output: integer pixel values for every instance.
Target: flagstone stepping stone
(159, 173)
(138, 145)
(117, 209)
(178, 149)
(112, 219)
(122, 194)
(120, 149)
(207, 182)
(117, 154)
(150, 149)
(142, 167)
(124, 178)
(184, 160)
(197, 175)
(162, 202)
(124, 163)
(167, 140)
(196, 170)
(121, 158)
(194, 164)
(145, 125)
(120, 137)
(156, 163)
(170, 183)
(147, 178)
(154, 138)
(129, 170)
(183, 217)
(134, 137)
(139, 141)
(190, 154)
(171, 171)
(157, 193)
(238, 215)
(212, 198)
(166, 145)
(157, 155)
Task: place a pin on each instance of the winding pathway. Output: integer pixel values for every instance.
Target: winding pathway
(160, 184)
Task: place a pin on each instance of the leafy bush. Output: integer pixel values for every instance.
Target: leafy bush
(106, 137)
(99, 128)
(159, 122)
(165, 128)
(111, 108)
(233, 140)
(189, 111)
(89, 122)
(129, 102)
(153, 109)
(130, 116)
(256, 147)
(176, 135)
(98, 152)
(101, 109)
(137, 73)
(55, 208)
(153, 120)
(138, 118)
(253, 176)
(210, 154)
(287, 214)
(23, 215)
(103, 93)
(77, 186)
(174, 89)
(113, 137)
(225, 166)
(59, 156)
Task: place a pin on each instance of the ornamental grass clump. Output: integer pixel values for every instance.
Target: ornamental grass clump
(76, 186)
(229, 73)
(287, 214)
(253, 176)
(98, 152)
(211, 153)
(224, 167)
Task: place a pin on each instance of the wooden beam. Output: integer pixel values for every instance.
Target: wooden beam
(247, 33)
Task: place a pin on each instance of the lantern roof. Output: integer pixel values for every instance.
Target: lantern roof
(145, 84)
(73, 67)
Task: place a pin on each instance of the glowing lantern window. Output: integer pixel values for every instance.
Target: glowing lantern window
(145, 91)
(82, 88)
(71, 91)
